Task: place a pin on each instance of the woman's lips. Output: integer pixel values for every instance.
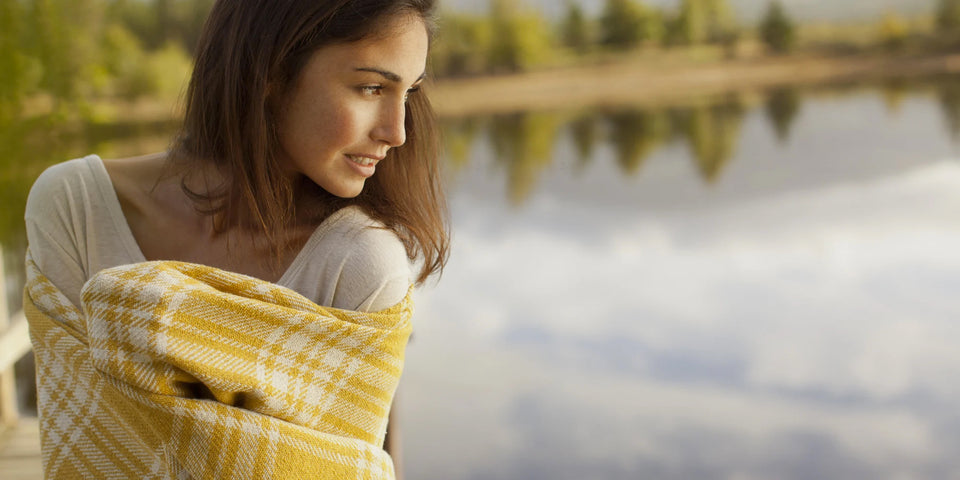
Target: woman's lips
(362, 164)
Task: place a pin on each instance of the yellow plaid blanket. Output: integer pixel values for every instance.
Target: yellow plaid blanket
(176, 370)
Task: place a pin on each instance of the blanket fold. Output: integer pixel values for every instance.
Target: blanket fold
(177, 370)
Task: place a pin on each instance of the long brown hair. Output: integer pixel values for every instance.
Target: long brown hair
(252, 51)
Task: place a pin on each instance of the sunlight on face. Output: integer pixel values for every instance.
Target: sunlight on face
(348, 106)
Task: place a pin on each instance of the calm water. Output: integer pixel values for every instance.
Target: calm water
(757, 287)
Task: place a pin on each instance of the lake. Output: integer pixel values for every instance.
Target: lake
(752, 286)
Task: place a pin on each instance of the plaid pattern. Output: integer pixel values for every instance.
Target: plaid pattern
(179, 370)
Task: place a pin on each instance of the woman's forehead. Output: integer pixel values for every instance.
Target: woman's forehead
(399, 51)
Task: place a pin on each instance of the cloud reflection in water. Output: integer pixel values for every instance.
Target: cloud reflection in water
(803, 334)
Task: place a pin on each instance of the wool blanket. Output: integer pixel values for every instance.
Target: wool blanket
(177, 370)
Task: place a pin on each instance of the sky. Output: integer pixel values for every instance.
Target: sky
(747, 9)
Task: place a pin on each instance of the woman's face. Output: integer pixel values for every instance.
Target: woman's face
(346, 109)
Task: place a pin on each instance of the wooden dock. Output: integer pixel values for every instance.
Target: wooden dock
(19, 436)
(20, 451)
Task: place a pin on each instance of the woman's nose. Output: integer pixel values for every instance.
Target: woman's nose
(391, 128)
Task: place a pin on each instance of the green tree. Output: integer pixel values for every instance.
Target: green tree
(462, 46)
(63, 37)
(521, 38)
(777, 30)
(948, 16)
(575, 29)
(13, 63)
(700, 21)
(893, 31)
(157, 23)
(624, 24)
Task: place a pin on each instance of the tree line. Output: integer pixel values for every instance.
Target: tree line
(74, 51)
(514, 38)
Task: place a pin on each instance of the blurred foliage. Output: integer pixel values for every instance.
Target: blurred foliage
(701, 21)
(893, 31)
(624, 24)
(948, 16)
(460, 46)
(575, 29)
(777, 30)
(521, 38)
(73, 53)
(157, 23)
(510, 39)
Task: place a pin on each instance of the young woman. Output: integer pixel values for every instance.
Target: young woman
(307, 159)
(305, 125)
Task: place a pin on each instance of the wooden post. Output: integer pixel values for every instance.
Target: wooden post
(9, 414)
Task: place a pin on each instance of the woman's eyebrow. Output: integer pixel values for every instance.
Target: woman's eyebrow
(393, 77)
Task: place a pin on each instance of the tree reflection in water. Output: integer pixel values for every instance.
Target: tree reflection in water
(635, 134)
(459, 135)
(894, 92)
(782, 107)
(523, 143)
(949, 93)
(584, 132)
(713, 132)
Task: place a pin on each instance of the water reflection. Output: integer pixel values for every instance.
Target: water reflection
(782, 106)
(950, 100)
(685, 294)
(523, 145)
(894, 93)
(713, 133)
(584, 132)
(635, 134)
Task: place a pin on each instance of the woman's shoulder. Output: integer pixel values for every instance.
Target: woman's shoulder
(63, 184)
(358, 237)
(70, 172)
(360, 264)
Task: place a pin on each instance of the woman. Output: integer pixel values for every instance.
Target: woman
(307, 159)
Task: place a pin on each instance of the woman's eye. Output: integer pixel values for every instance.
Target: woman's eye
(371, 90)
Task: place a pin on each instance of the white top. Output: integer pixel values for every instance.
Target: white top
(75, 228)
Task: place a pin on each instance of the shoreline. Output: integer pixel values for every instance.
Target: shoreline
(629, 82)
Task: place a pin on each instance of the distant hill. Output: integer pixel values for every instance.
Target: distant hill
(748, 10)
